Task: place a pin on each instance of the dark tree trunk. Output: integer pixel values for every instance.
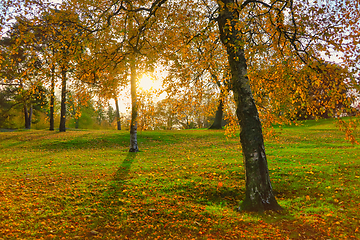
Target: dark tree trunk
(219, 116)
(52, 99)
(62, 127)
(259, 195)
(28, 116)
(134, 113)
(117, 113)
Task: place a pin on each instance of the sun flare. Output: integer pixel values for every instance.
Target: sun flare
(147, 83)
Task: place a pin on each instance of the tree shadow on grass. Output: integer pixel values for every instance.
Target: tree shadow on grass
(84, 142)
(23, 138)
(120, 177)
(124, 168)
(118, 187)
(107, 202)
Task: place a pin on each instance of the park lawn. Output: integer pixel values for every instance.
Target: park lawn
(182, 185)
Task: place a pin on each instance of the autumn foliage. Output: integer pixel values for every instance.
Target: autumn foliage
(285, 55)
(263, 63)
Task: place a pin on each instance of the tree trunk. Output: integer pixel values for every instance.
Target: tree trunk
(219, 116)
(26, 115)
(52, 99)
(62, 127)
(134, 113)
(259, 195)
(117, 114)
(30, 115)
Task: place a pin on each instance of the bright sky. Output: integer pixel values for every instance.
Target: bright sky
(148, 83)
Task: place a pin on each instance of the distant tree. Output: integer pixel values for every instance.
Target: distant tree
(219, 115)
(111, 114)
(33, 99)
(6, 104)
(146, 111)
(166, 114)
(100, 113)
(328, 92)
(78, 104)
(15, 100)
(117, 113)
(20, 70)
(64, 43)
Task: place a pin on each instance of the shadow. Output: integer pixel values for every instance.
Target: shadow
(7, 130)
(107, 201)
(23, 137)
(207, 195)
(86, 141)
(124, 168)
(118, 183)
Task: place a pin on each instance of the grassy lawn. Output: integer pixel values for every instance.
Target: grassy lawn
(182, 185)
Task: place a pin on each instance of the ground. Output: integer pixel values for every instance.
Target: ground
(182, 185)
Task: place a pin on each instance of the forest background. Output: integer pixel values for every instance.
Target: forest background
(41, 40)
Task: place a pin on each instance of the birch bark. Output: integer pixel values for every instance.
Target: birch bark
(259, 195)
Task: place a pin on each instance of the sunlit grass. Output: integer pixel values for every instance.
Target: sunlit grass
(182, 185)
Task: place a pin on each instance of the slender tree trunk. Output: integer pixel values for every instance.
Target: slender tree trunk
(52, 99)
(30, 115)
(117, 113)
(259, 195)
(62, 127)
(134, 108)
(26, 115)
(219, 116)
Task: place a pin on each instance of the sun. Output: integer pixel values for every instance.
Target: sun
(147, 83)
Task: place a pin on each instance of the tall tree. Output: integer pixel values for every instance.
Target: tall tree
(134, 107)
(259, 194)
(273, 26)
(131, 40)
(65, 39)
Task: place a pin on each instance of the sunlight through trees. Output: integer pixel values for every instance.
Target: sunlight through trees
(249, 64)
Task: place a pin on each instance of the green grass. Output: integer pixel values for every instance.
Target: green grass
(85, 185)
